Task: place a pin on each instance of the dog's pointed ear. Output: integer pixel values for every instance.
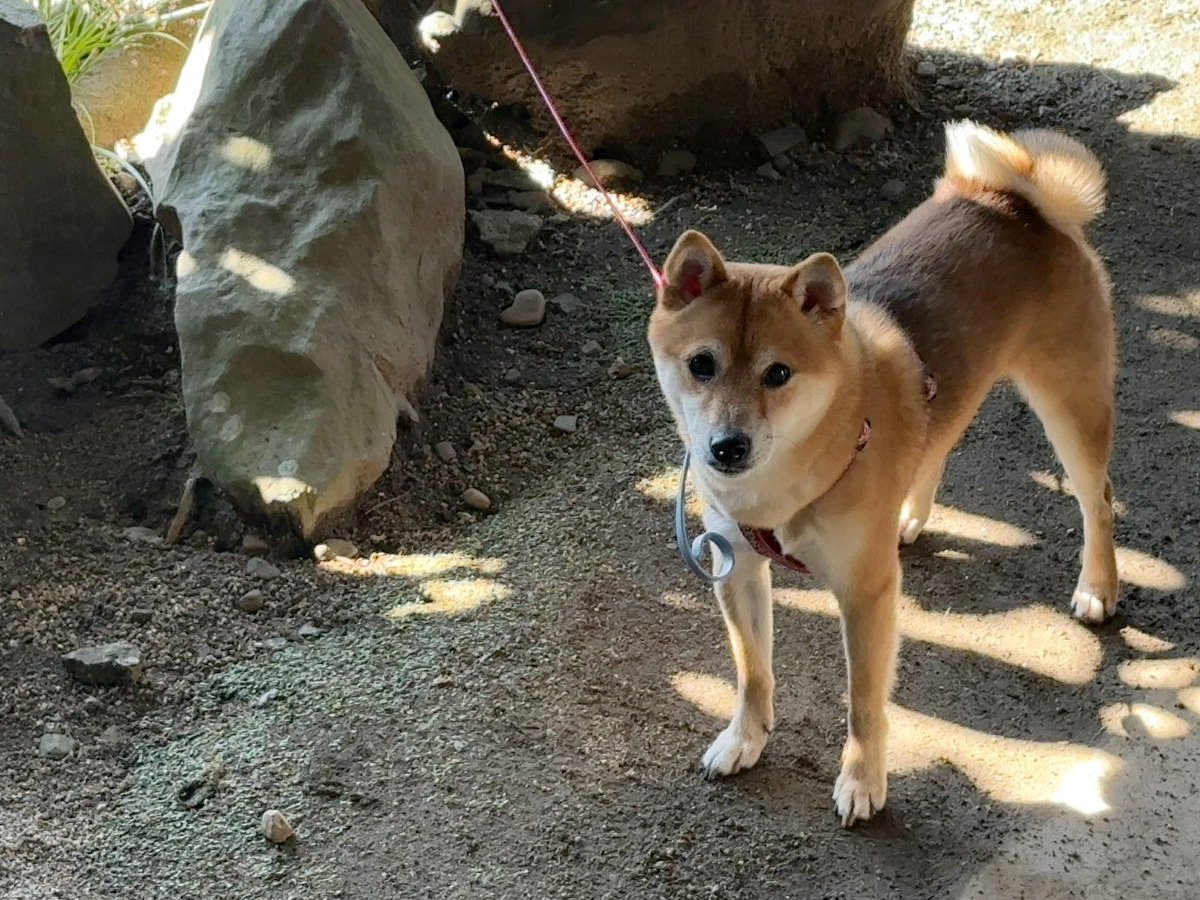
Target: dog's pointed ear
(818, 285)
(693, 266)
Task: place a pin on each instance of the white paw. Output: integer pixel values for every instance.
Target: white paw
(910, 529)
(1091, 605)
(736, 748)
(912, 523)
(860, 792)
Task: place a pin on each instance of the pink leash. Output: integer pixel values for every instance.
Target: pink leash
(566, 133)
(717, 545)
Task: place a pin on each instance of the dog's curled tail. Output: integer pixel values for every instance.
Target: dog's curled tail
(1055, 173)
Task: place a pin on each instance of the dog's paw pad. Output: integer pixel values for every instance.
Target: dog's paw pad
(1089, 605)
(858, 796)
(735, 749)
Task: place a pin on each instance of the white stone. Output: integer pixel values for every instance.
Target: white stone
(528, 310)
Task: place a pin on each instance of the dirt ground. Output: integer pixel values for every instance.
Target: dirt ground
(512, 705)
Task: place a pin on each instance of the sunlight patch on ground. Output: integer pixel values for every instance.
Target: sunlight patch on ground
(1173, 339)
(1189, 699)
(968, 526)
(664, 487)
(573, 194)
(1148, 571)
(1180, 307)
(681, 600)
(1168, 674)
(451, 597)
(708, 693)
(1188, 418)
(1139, 640)
(1039, 639)
(1158, 723)
(1009, 770)
(413, 565)
(953, 555)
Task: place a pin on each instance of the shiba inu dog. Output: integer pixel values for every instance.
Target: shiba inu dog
(819, 405)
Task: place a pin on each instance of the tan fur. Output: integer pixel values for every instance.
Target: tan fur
(989, 279)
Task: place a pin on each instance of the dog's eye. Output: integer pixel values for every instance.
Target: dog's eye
(777, 375)
(703, 367)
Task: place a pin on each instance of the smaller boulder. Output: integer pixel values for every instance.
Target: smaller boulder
(116, 663)
(507, 231)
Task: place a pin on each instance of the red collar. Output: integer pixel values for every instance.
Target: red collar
(763, 540)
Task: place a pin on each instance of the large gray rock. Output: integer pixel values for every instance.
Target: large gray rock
(61, 222)
(321, 208)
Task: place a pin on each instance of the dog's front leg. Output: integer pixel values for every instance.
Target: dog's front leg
(745, 599)
(868, 608)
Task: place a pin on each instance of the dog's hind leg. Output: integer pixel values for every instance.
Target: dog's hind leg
(919, 502)
(745, 599)
(1072, 394)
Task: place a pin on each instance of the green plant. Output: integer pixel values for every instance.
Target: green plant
(82, 32)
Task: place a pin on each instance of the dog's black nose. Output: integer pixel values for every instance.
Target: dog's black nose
(730, 451)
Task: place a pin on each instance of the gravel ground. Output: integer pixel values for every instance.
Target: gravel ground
(511, 704)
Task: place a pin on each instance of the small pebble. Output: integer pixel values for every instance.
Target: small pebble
(112, 738)
(528, 310)
(54, 504)
(861, 127)
(926, 69)
(378, 538)
(140, 535)
(608, 172)
(768, 171)
(308, 632)
(512, 376)
(251, 601)
(476, 499)
(265, 698)
(591, 348)
(622, 369)
(254, 544)
(781, 140)
(56, 746)
(676, 162)
(260, 568)
(893, 188)
(567, 424)
(275, 827)
(568, 303)
(141, 616)
(117, 663)
(335, 548)
(445, 451)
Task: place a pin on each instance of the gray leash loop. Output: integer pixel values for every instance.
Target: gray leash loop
(693, 553)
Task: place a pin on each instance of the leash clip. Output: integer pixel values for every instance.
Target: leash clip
(693, 552)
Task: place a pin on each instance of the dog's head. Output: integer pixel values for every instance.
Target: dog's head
(748, 356)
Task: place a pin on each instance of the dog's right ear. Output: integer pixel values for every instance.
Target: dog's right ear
(693, 266)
